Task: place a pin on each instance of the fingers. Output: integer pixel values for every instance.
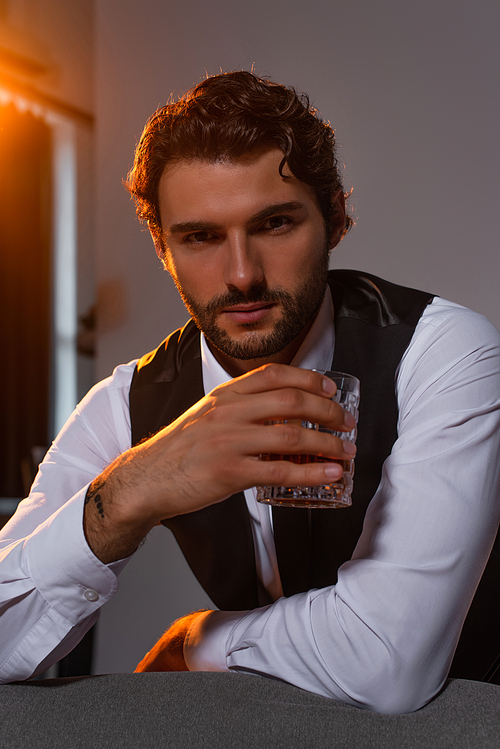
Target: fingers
(276, 392)
(293, 404)
(314, 457)
(294, 439)
(168, 653)
(289, 473)
(278, 376)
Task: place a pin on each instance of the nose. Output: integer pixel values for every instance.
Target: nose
(243, 264)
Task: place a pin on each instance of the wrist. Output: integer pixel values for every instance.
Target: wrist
(206, 640)
(112, 522)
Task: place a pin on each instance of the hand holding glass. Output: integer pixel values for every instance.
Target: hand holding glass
(337, 493)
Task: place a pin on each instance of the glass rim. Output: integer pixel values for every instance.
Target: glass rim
(332, 374)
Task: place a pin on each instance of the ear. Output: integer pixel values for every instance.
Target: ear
(337, 219)
(156, 241)
(159, 247)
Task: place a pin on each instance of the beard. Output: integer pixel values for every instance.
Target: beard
(297, 309)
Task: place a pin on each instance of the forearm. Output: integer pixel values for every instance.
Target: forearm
(51, 590)
(38, 644)
(346, 642)
(113, 523)
(384, 636)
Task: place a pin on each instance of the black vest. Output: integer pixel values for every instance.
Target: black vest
(374, 323)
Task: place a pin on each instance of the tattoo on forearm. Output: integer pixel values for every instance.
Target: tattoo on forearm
(94, 495)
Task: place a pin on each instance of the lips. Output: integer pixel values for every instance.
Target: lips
(241, 314)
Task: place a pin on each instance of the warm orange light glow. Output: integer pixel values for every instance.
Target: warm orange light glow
(25, 278)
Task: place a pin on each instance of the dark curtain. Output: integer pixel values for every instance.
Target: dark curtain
(26, 312)
(25, 294)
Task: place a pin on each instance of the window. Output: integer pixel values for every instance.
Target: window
(38, 377)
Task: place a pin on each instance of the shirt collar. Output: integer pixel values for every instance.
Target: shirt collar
(315, 352)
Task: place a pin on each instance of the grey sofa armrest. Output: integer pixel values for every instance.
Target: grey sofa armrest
(206, 710)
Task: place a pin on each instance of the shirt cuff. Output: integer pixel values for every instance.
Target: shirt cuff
(66, 572)
(205, 643)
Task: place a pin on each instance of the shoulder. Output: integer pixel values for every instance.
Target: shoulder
(101, 418)
(116, 385)
(457, 328)
(379, 302)
(454, 350)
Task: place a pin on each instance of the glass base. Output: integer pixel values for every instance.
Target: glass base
(328, 496)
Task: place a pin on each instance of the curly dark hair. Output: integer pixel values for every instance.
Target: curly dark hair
(225, 117)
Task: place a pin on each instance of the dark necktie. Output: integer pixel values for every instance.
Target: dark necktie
(292, 539)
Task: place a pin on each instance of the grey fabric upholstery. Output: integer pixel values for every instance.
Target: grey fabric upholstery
(205, 710)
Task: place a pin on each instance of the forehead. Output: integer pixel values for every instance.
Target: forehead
(227, 191)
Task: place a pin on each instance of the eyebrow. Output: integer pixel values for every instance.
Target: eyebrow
(271, 210)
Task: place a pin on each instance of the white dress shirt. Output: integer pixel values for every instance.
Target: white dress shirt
(384, 635)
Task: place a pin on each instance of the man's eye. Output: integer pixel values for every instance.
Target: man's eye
(198, 237)
(277, 222)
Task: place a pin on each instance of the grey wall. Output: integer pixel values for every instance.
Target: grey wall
(412, 90)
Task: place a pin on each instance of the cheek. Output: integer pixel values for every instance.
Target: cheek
(195, 280)
(187, 275)
(295, 256)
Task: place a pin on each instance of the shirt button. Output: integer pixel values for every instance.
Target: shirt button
(91, 595)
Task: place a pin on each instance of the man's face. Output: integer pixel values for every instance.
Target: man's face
(248, 252)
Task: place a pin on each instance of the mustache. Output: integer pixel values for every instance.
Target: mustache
(255, 294)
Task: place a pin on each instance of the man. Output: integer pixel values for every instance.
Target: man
(240, 189)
